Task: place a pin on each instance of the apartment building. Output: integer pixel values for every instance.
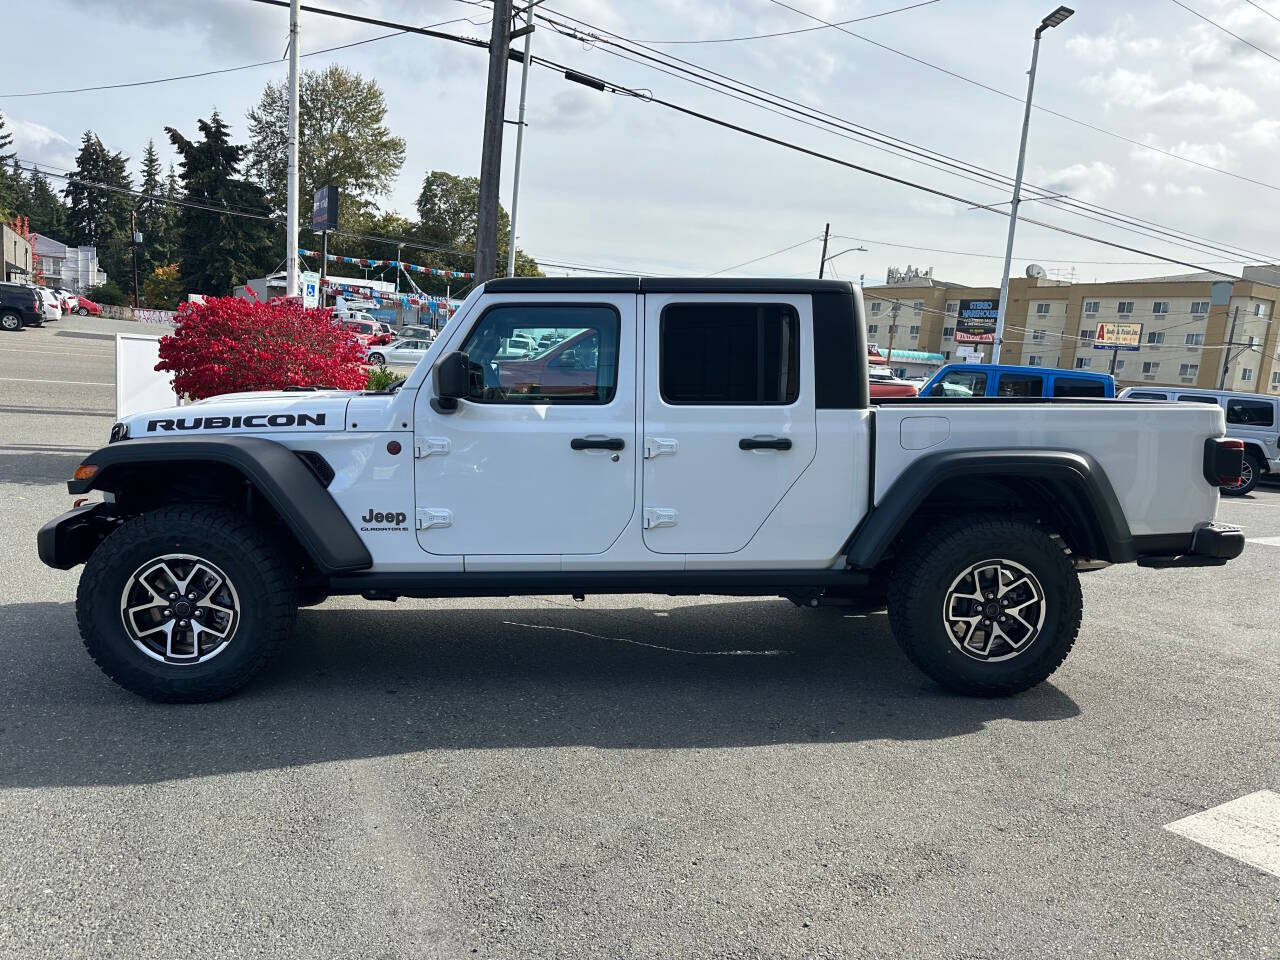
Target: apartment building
(71, 268)
(1052, 323)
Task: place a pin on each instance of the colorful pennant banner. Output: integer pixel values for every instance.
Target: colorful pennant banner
(362, 262)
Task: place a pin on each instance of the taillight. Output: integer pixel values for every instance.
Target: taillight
(1223, 461)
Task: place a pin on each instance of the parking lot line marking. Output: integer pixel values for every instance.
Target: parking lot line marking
(1246, 829)
(654, 646)
(1266, 541)
(75, 383)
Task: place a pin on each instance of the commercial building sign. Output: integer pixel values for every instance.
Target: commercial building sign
(324, 209)
(1118, 336)
(976, 321)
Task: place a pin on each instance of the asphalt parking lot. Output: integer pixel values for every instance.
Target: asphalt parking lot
(625, 777)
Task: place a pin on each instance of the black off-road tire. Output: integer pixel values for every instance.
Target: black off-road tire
(262, 578)
(919, 587)
(1251, 471)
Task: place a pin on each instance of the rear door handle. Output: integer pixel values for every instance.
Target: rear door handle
(772, 443)
(589, 443)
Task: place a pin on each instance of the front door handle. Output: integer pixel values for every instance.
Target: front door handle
(589, 443)
(772, 443)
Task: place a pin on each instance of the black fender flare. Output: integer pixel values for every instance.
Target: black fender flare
(275, 472)
(1083, 492)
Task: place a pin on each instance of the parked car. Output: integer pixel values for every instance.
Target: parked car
(20, 306)
(966, 380)
(411, 331)
(51, 304)
(399, 351)
(87, 308)
(69, 300)
(367, 332)
(679, 466)
(1252, 417)
(883, 383)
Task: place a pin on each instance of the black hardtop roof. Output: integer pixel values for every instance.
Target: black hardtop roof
(664, 285)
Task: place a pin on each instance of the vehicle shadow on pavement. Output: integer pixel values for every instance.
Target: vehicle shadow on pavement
(517, 674)
(38, 467)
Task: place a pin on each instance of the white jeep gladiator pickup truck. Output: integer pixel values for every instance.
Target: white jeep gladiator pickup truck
(669, 436)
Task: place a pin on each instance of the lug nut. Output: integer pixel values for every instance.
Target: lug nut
(991, 596)
(987, 622)
(191, 596)
(200, 613)
(173, 596)
(1004, 603)
(182, 623)
(167, 613)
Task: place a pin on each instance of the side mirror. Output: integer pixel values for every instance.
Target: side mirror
(452, 380)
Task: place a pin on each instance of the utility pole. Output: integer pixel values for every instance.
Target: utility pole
(893, 329)
(292, 288)
(822, 264)
(527, 32)
(1052, 20)
(1226, 351)
(491, 152)
(133, 242)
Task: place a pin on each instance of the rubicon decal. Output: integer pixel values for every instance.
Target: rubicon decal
(254, 420)
(376, 521)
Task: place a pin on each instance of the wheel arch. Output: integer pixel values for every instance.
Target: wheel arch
(1067, 490)
(143, 471)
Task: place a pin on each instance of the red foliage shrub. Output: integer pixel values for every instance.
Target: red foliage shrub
(228, 345)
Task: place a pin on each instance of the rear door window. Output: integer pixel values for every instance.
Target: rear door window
(729, 353)
(1020, 385)
(1196, 398)
(1251, 413)
(1079, 387)
(962, 383)
(1146, 395)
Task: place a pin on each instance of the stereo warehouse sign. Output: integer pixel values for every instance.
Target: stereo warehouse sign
(976, 321)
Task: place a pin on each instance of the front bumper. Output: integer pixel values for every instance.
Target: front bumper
(67, 540)
(1211, 545)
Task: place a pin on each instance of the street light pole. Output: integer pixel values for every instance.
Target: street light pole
(1052, 20)
(292, 289)
(826, 259)
(527, 30)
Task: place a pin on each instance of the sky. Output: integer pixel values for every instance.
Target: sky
(623, 184)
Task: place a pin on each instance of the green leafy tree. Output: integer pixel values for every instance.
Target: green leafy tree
(45, 209)
(448, 208)
(217, 250)
(343, 141)
(163, 288)
(98, 208)
(108, 293)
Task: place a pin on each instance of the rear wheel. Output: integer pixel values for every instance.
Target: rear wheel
(10, 321)
(1250, 471)
(185, 604)
(82, 311)
(986, 607)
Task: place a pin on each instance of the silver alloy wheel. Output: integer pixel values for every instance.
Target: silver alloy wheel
(10, 321)
(1246, 474)
(994, 610)
(180, 609)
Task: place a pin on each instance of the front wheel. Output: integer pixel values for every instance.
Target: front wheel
(377, 359)
(185, 604)
(82, 311)
(1250, 471)
(986, 607)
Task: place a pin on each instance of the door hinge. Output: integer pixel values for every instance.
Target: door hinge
(434, 517)
(659, 517)
(657, 446)
(426, 446)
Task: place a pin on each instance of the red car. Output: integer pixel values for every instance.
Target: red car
(368, 333)
(87, 308)
(567, 369)
(882, 381)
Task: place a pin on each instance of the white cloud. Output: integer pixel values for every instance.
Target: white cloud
(1099, 49)
(572, 110)
(35, 143)
(1261, 133)
(1086, 181)
(1210, 154)
(1177, 190)
(1189, 99)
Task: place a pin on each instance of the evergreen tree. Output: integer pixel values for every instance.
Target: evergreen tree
(44, 208)
(150, 212)
(217, 251)
(10, 175)
(98, 215)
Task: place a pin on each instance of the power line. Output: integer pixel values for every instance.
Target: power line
(788, 33)
(1263, 9)
(878, 140)
(213, 73)
(1010, 96)
(999, 256)
(1216, 25)
(764, 257)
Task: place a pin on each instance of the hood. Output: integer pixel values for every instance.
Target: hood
(270, 413)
